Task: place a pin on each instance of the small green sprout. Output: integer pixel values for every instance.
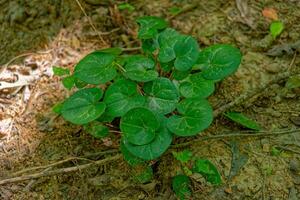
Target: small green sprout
(276, 28)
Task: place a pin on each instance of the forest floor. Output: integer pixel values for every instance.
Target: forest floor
(265, 165)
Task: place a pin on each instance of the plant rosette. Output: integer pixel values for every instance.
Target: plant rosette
(153, 96)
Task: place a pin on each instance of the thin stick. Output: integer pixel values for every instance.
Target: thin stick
(47, 166)
(251, 94)
(185, 9)
(242, 135)
(254, 93)
(59, 171)
(91, 23)
(64, 161)
(118, 156)
(132, 49)
(20, 56)
(288, 149)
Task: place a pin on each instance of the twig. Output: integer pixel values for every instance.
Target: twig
(259, 134)
(91, 23)
(118, 156)
(293, 61)
(184, 10)
(288, 149)
(251, 94)
(254, 94)
(132, 49)
(33, 182)
(103, 33)
(47, 166)
(20, 56)
(59, 171)
(64, 161)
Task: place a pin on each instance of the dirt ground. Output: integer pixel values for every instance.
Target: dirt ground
(60, 34)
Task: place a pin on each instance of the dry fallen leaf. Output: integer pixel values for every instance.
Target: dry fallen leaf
(270, 13)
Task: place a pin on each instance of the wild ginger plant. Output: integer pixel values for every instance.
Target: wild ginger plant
(153, 96)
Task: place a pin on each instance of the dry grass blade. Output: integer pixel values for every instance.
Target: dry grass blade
(91, 23)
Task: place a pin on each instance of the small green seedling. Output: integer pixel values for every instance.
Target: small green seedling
(126, 6)
(59, 71)
(243, 120)
(192, 165)
(293, 82)
(208, 170)
(276, 28)
(181, 185)
(153, 96)
(183, 156)
(175, 10)
(275, 151)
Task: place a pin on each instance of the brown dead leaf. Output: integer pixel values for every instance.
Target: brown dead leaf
(270, 13)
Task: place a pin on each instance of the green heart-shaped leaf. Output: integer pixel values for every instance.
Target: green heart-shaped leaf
(180, 75)
(167, 67)
(59, 71)
(162, 95)
(96, 68)
(218, 61)
(183, 156)
(122, 96)
(83, 106)
(129, 157)
(150, 45)
(195, 86)
(149, 26)
(195, 116)
(57, 108)
(167, 40)
(96, 129)
(186, 51)
(243, 120)
(181, 185)
(293, 82)
(143, 174)
(208, 170)
(140, 68)
(69, 82)
(138, 126)
(155, 148)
